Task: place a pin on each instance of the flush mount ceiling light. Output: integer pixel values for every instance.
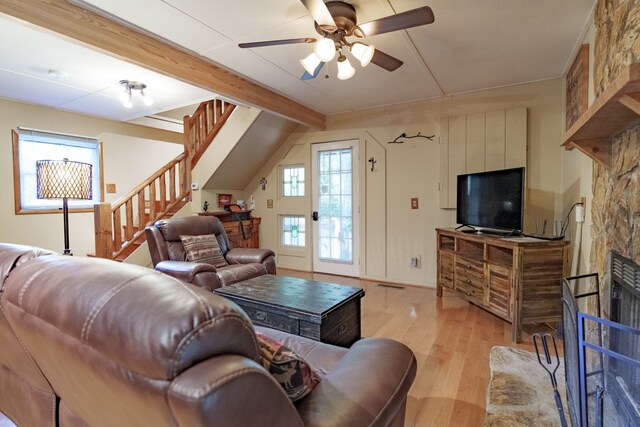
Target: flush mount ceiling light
(335, 21)
(127, 96)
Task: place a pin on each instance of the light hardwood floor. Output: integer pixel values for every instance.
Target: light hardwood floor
(450, 338)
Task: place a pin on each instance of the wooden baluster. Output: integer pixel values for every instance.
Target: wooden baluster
(163, 192)
(103, 230)
(172, 184)
(117, 230)
(129, 220)
(208, 114)
(142, 221)
(186, 126)
(200, 132)
(185, 178)
(218, 111)
(152, 201)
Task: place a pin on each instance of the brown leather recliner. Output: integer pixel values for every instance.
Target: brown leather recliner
(125, 345)
(168, 254)
(25, 395)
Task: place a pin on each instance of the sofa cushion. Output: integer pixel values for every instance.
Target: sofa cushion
(290, 370)
(203, 248)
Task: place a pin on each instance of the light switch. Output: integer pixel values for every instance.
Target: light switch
(111, 188)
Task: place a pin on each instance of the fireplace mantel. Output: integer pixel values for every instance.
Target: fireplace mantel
(616, 109)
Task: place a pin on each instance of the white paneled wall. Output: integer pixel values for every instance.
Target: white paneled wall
(480, 142)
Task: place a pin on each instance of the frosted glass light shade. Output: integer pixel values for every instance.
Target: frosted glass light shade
(127, 99)
(310, 63)
(345, 70)
(363, 53)
(146, 98)
(325, 49)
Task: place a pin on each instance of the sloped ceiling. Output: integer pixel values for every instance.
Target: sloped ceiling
(248, 156)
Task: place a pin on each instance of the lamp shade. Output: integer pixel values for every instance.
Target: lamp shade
(62, 179)
(363, 53)
(310, 63)
(345, 70)
(325, 49)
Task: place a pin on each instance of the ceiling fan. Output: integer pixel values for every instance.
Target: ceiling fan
(337, 20)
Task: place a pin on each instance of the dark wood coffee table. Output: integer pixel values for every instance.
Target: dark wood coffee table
(321, 311)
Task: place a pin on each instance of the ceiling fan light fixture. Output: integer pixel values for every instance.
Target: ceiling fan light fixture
(363, 53)
(345, 70)
(325, 49)
(310, 63)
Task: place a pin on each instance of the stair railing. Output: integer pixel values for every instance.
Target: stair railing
(203, 126)
(119, 225)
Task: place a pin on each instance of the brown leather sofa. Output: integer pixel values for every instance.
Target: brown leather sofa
(168, 254)
(123, 345)
(25, 395)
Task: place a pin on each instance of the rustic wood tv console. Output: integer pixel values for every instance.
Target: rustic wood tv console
(515, 278)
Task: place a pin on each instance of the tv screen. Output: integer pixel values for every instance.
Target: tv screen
(492, 199)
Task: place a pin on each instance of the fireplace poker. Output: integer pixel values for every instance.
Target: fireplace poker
(551, 367)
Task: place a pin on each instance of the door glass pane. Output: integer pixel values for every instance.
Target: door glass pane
(335, 207)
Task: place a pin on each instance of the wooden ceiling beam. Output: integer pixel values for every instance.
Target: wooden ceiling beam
(99, 32)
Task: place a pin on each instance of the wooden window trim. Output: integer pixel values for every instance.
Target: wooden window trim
(17, 199)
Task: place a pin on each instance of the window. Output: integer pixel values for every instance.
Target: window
(293, 181)
(31, 145)
(293, 231)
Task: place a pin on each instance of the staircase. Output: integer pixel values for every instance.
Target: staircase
(119, 226)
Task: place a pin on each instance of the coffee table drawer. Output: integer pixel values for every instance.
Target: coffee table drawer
(272, 320)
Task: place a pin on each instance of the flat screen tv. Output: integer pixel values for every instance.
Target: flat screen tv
(493, 200)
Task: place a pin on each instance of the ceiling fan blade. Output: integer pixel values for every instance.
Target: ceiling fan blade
(307, 76)
(400, 21)
(320, 14)
(385, 61)
(276, 42)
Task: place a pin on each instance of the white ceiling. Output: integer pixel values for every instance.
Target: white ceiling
(472, 45)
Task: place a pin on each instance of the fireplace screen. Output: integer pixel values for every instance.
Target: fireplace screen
(602, 356)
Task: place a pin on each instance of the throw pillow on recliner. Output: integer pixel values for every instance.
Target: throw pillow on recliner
(203, 248)
(291, 371)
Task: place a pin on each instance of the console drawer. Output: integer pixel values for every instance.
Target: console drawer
(470, 274)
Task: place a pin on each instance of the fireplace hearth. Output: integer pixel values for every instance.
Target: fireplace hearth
(602, 355)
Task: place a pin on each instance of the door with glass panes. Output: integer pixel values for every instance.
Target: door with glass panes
(334, 169)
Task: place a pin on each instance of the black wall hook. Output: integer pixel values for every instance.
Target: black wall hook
(373, 162)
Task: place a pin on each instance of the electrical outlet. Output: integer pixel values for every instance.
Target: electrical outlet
(414, 203)
(583, 200)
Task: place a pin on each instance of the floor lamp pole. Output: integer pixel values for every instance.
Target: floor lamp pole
(65, 215)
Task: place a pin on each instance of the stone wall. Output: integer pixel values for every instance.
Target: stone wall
(616, 203)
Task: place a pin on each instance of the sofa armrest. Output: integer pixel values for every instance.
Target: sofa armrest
(229, 390)
(248, 255)
(197, 273)
(367, 387)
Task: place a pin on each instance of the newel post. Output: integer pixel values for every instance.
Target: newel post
(103, 230)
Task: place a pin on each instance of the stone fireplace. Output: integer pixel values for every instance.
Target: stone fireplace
(615, 249)
(615, 208)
